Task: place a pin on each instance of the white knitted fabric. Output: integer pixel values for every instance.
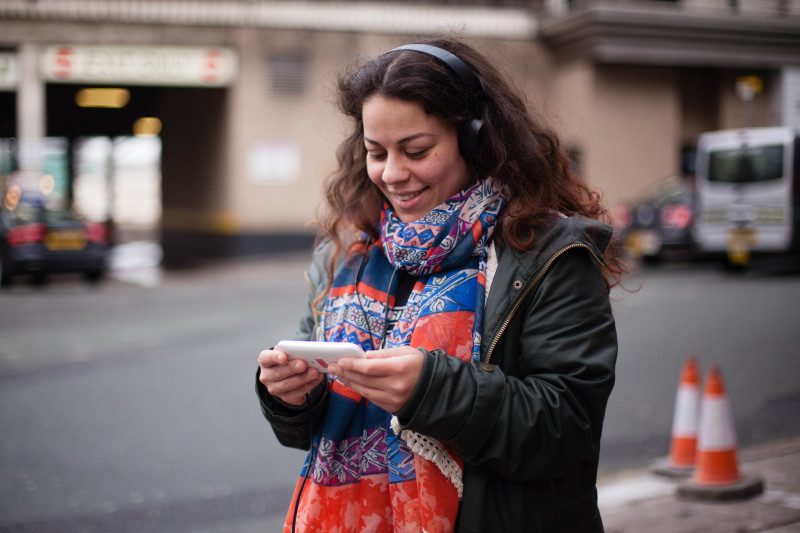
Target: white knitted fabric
(432, 450)
(491, 267)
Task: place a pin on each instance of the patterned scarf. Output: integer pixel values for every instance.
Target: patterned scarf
(367, 474)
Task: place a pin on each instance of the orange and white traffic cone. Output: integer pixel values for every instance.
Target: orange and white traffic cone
(717, 475)
(683, 445)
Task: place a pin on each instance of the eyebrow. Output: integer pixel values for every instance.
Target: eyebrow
(401, 141)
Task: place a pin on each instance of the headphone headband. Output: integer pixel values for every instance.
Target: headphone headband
(460, 68)
(468, 137)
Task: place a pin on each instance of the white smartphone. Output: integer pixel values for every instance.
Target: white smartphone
(319, 354)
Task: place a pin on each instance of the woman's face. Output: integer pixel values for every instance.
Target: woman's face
(412, 156)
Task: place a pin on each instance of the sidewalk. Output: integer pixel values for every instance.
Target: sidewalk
(643, 502)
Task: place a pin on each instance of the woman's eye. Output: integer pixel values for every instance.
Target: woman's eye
(376, 155)
(418, 153)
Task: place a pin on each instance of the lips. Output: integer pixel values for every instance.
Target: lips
(406, 196)
(410, 205)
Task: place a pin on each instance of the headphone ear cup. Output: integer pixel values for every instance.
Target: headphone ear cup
(468, 138)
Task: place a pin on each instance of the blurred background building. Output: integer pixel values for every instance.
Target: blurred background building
(209, 125)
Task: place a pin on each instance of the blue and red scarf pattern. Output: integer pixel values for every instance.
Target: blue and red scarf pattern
(366, 477)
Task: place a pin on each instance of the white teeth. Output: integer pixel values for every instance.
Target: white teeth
(405, 197)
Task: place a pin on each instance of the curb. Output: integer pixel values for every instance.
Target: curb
(636, 485)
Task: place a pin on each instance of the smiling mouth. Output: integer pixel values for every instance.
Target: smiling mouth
(407, 196)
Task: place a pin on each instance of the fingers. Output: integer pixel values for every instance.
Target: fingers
(293, 390)
(275, 366)
(390, 396)
(378, 362)
(391, 352)
(387, 377)
(288, 380)
(271, 358)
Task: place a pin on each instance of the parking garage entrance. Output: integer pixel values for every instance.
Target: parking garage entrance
(132, 132)
(128, 164)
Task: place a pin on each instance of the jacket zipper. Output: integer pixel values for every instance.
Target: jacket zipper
(486, 363)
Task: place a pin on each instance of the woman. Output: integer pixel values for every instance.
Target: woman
(478, 280)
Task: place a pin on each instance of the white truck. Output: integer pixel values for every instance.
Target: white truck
(747, 193)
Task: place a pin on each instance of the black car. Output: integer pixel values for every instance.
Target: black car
(661, 222)
(38, 241)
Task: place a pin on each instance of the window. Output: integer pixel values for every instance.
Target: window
(288, 74)
(759, 163)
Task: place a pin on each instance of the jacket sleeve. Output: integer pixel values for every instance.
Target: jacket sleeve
(542, 420)
(293, 425)
(317, 277)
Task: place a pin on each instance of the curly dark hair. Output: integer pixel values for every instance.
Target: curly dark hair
(521, 154)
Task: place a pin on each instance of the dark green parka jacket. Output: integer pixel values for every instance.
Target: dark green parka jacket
(527, 419)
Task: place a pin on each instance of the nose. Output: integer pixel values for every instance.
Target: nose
(395, 169)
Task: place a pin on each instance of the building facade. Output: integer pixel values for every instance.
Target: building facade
(242, 90)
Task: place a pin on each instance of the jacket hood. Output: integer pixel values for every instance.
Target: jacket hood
(564, 231)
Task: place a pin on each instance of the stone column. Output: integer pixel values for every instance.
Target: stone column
(31, 103)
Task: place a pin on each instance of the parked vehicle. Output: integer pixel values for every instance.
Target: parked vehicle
(39, 241)
(748, 193)
(660, 223)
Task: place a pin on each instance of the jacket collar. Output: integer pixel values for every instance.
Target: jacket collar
(516, 269)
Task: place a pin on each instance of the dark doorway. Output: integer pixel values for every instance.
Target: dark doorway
(192, 134)
(8, 114)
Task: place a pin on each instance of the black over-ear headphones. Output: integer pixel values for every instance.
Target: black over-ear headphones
(468, 136)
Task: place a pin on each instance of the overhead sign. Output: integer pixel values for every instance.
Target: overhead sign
(9, 75)
(748, 86)
(185, 66)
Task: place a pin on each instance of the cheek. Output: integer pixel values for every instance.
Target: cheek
(434, 171)
(375, 171)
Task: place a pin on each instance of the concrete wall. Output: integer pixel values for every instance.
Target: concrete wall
(259, 116)
(312, 120)
(626, 123)
(573, 114)
(637, 129)
(699, 102)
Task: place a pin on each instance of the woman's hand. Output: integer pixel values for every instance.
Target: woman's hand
(289, 381)
(387, 378)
